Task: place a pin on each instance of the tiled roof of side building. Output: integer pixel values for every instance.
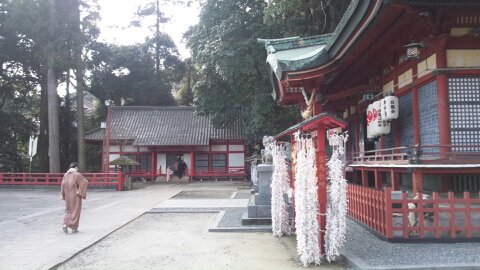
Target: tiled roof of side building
(177, 125)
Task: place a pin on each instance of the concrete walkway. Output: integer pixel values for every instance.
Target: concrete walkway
(30, 222)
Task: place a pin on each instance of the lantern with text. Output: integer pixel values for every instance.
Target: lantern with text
(369, 119)
(381, 125)
(390, 108)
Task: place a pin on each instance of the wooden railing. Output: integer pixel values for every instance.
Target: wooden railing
(219, 173)
(442, 216)
(55, 179)
(456, 154)
(139, 173)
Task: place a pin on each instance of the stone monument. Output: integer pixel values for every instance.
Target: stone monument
(259, 210)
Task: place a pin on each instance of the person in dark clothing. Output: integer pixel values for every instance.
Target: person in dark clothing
(180, 166)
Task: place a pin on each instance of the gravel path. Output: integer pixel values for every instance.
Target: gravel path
(376, 252)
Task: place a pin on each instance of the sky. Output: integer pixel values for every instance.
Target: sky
(117, 14)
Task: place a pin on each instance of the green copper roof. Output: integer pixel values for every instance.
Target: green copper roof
(290, 53)
(295, 53)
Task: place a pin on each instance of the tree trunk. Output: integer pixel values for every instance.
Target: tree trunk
(67, 139)
(43, 132)
(53, 132)
(157, 41)
(80, 87)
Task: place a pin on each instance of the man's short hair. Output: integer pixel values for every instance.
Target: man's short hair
(74, 164)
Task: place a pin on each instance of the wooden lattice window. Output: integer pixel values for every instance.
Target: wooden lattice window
(219, 162)
(201, 162)
(464, 103)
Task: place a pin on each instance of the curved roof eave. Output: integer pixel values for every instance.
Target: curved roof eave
(311, 56)
(292, 53)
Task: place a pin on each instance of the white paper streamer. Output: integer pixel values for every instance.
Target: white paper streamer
(306, 202)
(337, 200)
(280, 186)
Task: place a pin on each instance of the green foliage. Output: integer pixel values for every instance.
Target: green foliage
(287, 18)
(17, 118)
(232, 77)
(25, 32)
(185, 89)
(127, 73)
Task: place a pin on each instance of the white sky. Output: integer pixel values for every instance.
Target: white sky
(116, 15)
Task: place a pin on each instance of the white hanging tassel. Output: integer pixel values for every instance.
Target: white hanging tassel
(306, 202)
(280, 185)
(337, 200)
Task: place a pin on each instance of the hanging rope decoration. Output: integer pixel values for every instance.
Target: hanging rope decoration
(306, 201)
(280, 185)
(336, 226)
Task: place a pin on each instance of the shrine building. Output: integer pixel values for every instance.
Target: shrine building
(156, 136)
(404, 75)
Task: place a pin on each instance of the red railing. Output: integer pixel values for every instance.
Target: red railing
(52, 179)
(144, 173)
(395, 216)
(421, 154)
(220, 173)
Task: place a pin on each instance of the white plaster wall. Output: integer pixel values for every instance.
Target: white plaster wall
(129, 148)
(236, 160)
(162, 162)
(113, 157)
(236, 147)
(188, 159)
(222, 148)
(114, 148)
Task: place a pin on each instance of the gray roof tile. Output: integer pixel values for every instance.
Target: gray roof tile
(149, 126)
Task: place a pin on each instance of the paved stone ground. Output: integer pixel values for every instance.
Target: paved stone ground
(30, 222)
(113, 226)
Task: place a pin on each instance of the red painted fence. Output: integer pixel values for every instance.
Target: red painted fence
(442, 216)
(230, 172)
(52, 179)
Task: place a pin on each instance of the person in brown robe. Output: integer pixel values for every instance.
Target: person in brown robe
(73, 190)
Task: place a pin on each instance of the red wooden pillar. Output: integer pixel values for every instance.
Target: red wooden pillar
(321, 186)
(364, 178)
(227, 162)
(417, 181)
(192, 164)
(154, 167)
(395, 180)
(443, 106)
(378, 180)
(120, 180)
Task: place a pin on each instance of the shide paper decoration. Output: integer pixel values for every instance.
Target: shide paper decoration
(337, 200)
(306, 199)
(280, 186)
(306, 202)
